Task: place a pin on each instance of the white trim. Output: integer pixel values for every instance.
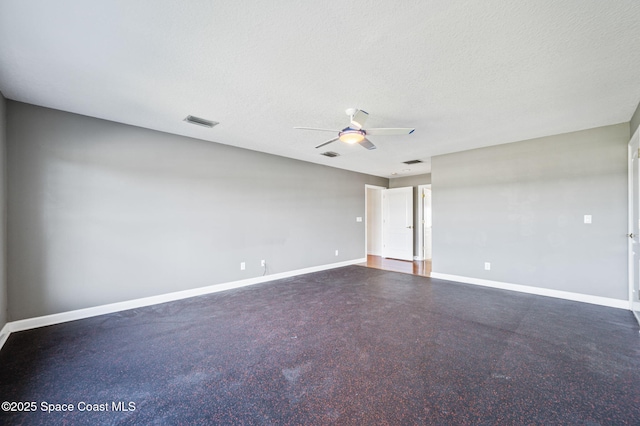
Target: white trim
(419, 230)
(632, 201)
(420, 227)
(4, 334)
(559, 294)
(30, 323)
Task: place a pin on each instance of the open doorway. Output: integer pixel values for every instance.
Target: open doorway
(375, 230)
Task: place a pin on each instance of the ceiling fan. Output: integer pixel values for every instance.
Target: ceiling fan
(354, 133)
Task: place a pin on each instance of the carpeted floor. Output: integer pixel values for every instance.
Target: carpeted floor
(347, 346)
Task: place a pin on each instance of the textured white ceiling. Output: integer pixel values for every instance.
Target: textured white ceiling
(465, 74)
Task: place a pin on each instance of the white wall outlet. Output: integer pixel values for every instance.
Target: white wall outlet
(587, 218)
(243, 266)
(336, 252)
(263, 262)
(358, 219)
(487, 266)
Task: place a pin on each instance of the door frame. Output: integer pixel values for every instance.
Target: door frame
(366, 215)
(634, 203)
(420, 221)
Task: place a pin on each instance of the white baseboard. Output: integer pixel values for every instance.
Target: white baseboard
(558, 294)
(4, 335)
(30, 323)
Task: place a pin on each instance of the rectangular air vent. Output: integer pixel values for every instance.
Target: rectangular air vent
(330, 154)
(200, 121)
(412, 162)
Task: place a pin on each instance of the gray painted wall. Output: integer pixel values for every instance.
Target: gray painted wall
(403, 182)
(3, 213)
(635, 120)
(374, 221)
(520, 206)
(101, 212)
(414, 181)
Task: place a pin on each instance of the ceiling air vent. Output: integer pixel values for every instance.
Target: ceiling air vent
(330, 154)
(412, 162)
(200, 121)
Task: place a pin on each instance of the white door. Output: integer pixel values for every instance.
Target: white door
(397, 223)
(634, 224)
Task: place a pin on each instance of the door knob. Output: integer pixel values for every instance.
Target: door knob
(410, 227)
(630, 235)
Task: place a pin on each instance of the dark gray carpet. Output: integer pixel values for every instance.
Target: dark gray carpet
(346, 346)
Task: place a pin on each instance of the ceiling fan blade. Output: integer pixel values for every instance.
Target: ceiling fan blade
(359, 118)
(314, 128)
(390, 131)
(366, 143)
(327, 142)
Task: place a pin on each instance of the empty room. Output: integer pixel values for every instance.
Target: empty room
(358, 213)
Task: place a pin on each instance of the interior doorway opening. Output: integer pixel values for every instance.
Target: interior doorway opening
(374, 240)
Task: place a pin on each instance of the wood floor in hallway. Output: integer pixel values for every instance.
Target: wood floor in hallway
(417, 267)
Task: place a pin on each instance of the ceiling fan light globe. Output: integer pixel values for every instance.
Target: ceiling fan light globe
(352, 137)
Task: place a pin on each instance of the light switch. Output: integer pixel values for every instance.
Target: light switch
(358, 219)
(587, 218)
